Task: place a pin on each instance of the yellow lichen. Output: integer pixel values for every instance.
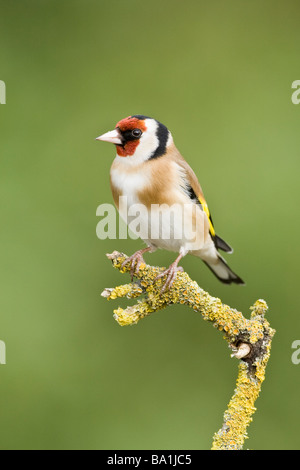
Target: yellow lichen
(237, 329)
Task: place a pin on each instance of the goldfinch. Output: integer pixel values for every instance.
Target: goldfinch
(149, 171)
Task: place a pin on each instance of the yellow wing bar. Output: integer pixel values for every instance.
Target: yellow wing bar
(206, 210)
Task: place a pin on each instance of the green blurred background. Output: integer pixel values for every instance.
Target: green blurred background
(219, 75)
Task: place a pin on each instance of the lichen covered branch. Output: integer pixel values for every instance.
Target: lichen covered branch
(249, 339)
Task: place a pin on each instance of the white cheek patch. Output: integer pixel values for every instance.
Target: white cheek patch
(148, 142)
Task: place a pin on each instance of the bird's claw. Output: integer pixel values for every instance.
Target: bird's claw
(135, 261)
(171, 273)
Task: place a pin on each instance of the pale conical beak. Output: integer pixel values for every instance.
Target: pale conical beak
(112, 136)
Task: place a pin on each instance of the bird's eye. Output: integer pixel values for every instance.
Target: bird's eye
(136, 133)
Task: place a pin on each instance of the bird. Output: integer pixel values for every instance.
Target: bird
(149, 171)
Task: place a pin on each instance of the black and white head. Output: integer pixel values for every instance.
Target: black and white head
(139, 138)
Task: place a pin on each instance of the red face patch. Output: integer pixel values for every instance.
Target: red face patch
(128, 124)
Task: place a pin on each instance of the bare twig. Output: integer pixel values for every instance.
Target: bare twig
(249, 339)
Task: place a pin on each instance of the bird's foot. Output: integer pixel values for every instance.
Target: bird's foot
(135, 261)
(171, 273)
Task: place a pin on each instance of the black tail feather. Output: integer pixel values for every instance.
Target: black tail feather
(223, 272)
(220, 244)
